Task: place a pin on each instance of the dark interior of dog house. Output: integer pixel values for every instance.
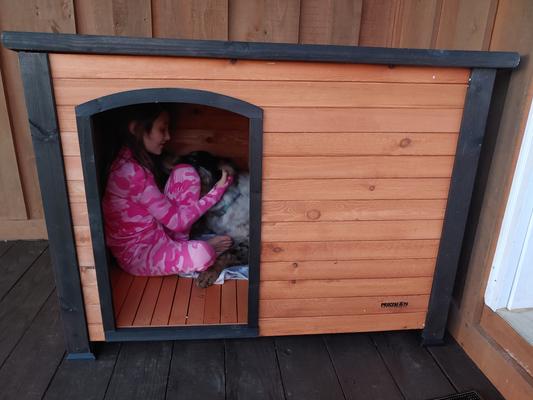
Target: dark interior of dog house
(161, 301)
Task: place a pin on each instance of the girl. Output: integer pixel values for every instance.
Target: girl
(147, 222)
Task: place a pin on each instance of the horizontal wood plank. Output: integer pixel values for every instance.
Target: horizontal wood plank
(357, 143)
(326, 251)
(88, 275)
(352, 210)
(299, 270)
(224, 143)
(350, 230)
(309, 289)
(353, 167)
(286, 308)
(348, 250)
(90, 295)
(138, 67)
(85, 256)
(79, 213)
(332, 167)
(70, 143)
(328, 231)
(93, 314)
(189, 117)
(76, 192)
(279, 93)
(340, 324)
(82, 235)
(355, 189)
(325, 120)
(412, 120)
(73, 168)
(96, 332)
(230, 143)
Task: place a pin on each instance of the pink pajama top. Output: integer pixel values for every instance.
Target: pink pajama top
(147, 231)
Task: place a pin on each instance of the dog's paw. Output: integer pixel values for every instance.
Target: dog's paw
(207, 278)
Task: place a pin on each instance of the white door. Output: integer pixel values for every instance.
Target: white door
(511, 280)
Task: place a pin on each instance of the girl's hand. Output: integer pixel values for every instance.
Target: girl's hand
(224, 180)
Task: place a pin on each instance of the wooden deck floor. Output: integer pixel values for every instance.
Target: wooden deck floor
(171, 301)
(385, 366)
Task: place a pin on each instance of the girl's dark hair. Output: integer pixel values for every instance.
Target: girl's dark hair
(144, 116)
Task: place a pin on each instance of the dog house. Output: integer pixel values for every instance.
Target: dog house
(362, 165)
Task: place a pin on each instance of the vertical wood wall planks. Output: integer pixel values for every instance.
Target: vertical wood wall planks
(45, 134)
(11, 195)
(415, 22)
(465, 24)
(190, 19)
(471, 136)
(330, 22)
(94, 17)
(264, 20)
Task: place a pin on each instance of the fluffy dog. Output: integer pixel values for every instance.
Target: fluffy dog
(230, 216)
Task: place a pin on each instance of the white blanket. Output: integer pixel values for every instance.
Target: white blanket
(235, 272)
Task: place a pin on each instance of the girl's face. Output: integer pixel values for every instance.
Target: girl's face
(158, 135)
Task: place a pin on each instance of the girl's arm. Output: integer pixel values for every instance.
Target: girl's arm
(174, 217)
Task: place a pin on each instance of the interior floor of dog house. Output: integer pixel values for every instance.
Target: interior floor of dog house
(141, 301)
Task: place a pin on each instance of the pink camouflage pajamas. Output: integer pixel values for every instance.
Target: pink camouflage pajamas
(148, 231)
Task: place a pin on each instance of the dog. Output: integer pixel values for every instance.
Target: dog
(230, 216)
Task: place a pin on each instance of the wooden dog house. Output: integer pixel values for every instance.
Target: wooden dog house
(362, 162)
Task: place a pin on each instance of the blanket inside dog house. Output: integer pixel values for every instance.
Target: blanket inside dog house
(362, 163)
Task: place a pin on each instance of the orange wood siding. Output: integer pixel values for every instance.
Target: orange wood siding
(357, 165)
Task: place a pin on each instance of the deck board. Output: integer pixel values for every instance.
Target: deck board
(141, 371)
(228, 307)
(361, 371)
(163, 306)
(252, 370)
(84, 380)
(462, 371)
(195, 315)
(188, 358)
(132, 302)
(32, 364)
(16, 260)
(181, 302)
(148, 302)
(37, 355)
(23, 302)
(300, 357)
(416, 373)
(5, 246)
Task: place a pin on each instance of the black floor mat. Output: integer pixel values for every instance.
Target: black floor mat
(462, 396)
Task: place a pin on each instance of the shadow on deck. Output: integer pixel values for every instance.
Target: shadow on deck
(372, 366)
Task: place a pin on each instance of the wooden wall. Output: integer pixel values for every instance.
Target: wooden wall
(357, 161)
(458, 24)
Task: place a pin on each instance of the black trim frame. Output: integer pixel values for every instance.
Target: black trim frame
(471, 135)
(68, 43)
(84, 119)
(35, 70)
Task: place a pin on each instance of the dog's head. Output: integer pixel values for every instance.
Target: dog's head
(207, 165)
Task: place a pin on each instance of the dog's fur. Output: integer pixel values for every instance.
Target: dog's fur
(230, 216)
